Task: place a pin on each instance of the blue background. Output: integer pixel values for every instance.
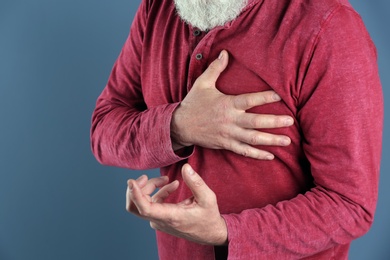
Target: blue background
(56, 201)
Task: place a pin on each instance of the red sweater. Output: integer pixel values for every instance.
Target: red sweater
(319, 193)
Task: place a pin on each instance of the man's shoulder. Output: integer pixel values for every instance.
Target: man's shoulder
(321, 5)
(155, 7)
(321, 8)
(314, 14)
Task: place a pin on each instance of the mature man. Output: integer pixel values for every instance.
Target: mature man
(276, 104)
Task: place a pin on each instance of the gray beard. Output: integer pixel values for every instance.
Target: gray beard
(207, 14)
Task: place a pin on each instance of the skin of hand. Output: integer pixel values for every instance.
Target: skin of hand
(196, 219)
(208, 118)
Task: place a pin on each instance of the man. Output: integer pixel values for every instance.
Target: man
(265, 118)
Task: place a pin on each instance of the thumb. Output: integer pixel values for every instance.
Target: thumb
(214, 70)
(201, 192)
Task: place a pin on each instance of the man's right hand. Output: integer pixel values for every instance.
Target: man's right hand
(208, 118)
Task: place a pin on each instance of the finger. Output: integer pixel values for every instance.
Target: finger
(254, 137)
(187, 201)
(149, 186)
(165, 191)
(155, 183)
(138, 199)
(142, 180)
(128, 199)
(249, 151)
(211, 74)
(146, 209)
(202, 193)
(247, 101)
(130, 207)
(257, 121)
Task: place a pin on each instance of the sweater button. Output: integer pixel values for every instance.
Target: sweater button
(199, 56)
(196, 33)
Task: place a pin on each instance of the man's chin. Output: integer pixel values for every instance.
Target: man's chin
(206, 15)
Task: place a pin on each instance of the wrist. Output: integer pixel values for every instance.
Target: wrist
(177, 130)
(223, 236)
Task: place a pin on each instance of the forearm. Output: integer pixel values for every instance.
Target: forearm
(128, 138)
(301, 227)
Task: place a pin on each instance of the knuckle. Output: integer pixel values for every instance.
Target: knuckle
(263, 98)
(173, 223)
(250, 101)
(144, 212)
(224, 133)
(226, 145)
(254, 140)
(236, 101)
(223, 138)
(256, 122)
(219, 144)
(266, 97)
(199, 182)
(246, 152)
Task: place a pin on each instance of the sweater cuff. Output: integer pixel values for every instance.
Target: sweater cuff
(233, 231)
(162, 150)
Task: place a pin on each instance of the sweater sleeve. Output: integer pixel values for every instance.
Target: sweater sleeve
(341, 118)
(125, 132)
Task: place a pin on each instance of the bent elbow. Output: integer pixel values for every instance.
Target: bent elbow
(358, 223)
(364, 222)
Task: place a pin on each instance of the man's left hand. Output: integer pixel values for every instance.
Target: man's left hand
(196, 219)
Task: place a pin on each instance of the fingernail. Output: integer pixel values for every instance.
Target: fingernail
(276, 97)
(140, 177)
(288, 121)
(285, 141)
(130, 184)
(269, 157)
(190, 171)
(220, 56)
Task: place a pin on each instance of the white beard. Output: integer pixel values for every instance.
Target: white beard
(207, 14)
